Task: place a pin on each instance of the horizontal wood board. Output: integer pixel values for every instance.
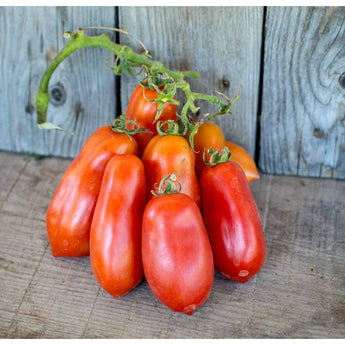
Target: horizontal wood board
(299, 293)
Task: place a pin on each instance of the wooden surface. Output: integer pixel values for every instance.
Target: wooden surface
(299, 293)
(303, 101)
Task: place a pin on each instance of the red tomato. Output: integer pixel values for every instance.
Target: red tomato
(70, 212)
(177, 255)
(244, 159)
(171, 154)
(232, 221)
(144, 113)
(208, 135)
(115, 235)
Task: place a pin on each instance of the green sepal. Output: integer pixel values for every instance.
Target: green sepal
(50, 125)
(168, 185)
(217, 157)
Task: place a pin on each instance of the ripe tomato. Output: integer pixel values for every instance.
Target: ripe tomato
(115, 235)
(171, 154)
(144, 112)
(208, 135)
(232, 221)
(70, 212)
(177, 256)
(244, 159)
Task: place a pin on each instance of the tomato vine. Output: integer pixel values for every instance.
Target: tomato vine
(156, 76)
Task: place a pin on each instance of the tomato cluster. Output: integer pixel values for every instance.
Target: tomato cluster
(151, 205)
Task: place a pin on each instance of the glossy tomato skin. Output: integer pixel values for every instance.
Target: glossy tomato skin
(144, 113)
(244, 159)
(232, 221)
(177, 255)
(70, 212)
(115, 235)
(171, 154)
(209, 135)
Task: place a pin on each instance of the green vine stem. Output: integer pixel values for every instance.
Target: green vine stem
(165, 81)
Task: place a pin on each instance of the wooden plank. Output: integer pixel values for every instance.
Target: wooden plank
(304, 228)
(302, 120)
(222, 43)
(299, 293)
(30, 39)
(11, 168)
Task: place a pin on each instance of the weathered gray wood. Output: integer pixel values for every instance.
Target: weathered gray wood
(299, 293)
(303, 104)
(222, 43)
(30, 39)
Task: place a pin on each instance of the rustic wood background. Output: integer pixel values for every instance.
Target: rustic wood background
(287, 62)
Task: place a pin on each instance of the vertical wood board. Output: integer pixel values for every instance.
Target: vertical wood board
(222, 43)
(303, 104)
(30, 38)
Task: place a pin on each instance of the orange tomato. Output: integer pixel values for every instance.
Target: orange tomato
(209, 135)
(244, 159)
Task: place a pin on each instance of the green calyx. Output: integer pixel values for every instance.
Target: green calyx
(217, 157)
(168, 185)
(119, 125)
(171, 127)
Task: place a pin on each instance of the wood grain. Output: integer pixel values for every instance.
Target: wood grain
(299, 293)
(303, 103)
(30, 39)
(222, 43)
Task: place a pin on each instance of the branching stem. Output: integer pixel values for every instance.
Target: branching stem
(156, 76)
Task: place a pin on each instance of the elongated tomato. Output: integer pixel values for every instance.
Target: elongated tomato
(70, 212)
(177, 255)
(115, 235)
(232, 221)
(171, 154)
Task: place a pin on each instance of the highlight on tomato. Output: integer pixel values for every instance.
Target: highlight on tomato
(69, 215)
(115, 235)
(177, 256)
(232, 219)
